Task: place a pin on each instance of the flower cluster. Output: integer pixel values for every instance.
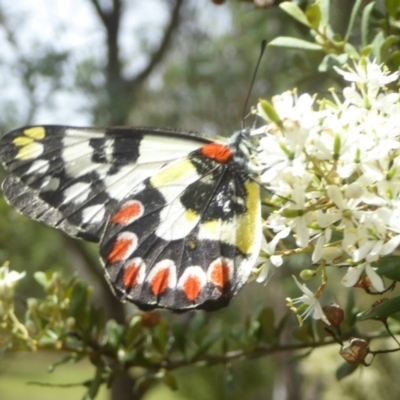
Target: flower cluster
(8, 282)
(334, 170)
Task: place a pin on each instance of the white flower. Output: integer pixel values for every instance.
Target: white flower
(314, 307)
(353, 275)
(8, 281)
(369, 73)
(270, 259)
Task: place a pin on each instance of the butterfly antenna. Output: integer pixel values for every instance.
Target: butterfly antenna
(263, 45)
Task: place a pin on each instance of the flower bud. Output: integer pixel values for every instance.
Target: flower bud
(307, 274)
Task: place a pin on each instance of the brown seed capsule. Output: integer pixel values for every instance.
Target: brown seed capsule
(335, 314)
(355, 352)
(264, 3)
(364, 283)
(150, 319)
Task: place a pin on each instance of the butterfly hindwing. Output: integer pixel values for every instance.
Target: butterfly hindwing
(187, 238)
(73, 178)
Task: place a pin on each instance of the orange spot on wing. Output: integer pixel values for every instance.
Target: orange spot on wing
(220, 274)
(217, 152)
(192, 287)
(131, 275)
(159, 282)
(120, 250)
(127, 213)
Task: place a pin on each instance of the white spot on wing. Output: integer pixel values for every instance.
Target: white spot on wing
(77, 193)
(176, 222)
(77, 152)
(38, 167)
(127, 180)
(164, 149)
(93, 214)
(50, 183)
(223, 231)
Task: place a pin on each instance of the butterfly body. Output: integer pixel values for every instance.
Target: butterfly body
(177, 215)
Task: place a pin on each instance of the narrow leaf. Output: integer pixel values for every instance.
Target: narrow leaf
(295, 12)
(354, 13)
(382, 310)
(365, 23)
(325, 7)
(293, 43)
(345, 369)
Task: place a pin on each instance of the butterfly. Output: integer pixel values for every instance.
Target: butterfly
(176, 214)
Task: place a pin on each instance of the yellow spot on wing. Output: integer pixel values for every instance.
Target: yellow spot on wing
(174, 173)
(37, 132)
(22, 141)
(211, 227)
(31, 150)
(191, 216)
(247, 228)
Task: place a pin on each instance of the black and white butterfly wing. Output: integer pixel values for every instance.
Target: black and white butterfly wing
(73, 178)
(187, 237)
(177, 215)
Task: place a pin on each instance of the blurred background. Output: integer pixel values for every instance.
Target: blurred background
(183, 64)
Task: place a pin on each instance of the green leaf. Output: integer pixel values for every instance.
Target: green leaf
(331, 60)
(78, 300)
(325, 7)
(351, 51)
(65, 360)
(294, 43)
(365, 23)
(134, 329)
(390, 268)
(94, 385)
(295, 12)
(377, 44)
(395, 59)
(313, 14)
(303, 333)
(354, 13)
(44, 279)
(345, 369)
(170, 380)
(115, 333)
(386, 50)
(161, 336)
(207, 342)
(366, 51)
(382, 310)
(349, 312)
(267, 322)
(391, 7)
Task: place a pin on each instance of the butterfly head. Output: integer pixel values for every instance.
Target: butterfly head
(244, 147)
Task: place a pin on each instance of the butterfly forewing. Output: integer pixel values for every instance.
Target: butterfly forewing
(73, 178)
(187, 238)
(176, 214)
